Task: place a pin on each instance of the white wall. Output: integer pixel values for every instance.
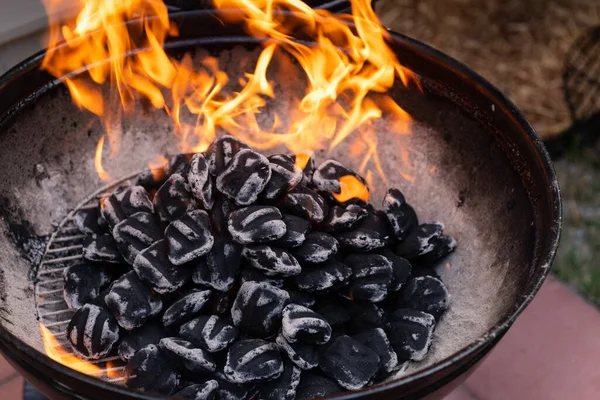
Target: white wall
(20, 18)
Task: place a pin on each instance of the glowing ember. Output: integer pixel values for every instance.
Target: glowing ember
(351, 188)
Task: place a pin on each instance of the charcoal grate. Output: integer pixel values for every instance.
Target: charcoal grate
(64, 250)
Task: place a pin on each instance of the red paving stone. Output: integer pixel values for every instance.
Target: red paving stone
(550, 353)
(12, 390)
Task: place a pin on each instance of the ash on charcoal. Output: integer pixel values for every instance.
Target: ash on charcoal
(257, 308)
(185, 355)
(410, 333)
(271, 260)
(304, 355)
(400, 214)
(350, 363)
(253, 360)
(178, 164)
(149, 370)
(313, 385)
(342, 219)
(442, 246)
(305, 203)
(211, 333)
(317, 248)
(256, 224)
(101, 248)
(135, 234)
(361, 239)
(123, 203)
(154, 267)
(131, 302)
(219, 268)
(284, 387)
(220, 302)
(245, 177)
(205, 391)
(173, 199)
(90, 221)
(295, 233)
(150, 333)
(201, 182)
(186, 307)
(427, 294)
(377, 340)
(371, 276)
(92, 332)
(325, 277)
(83, 283)
(302, 324)
(326, 177)
(285, 176)
(420, 241)
(189, 237)
(221, 152)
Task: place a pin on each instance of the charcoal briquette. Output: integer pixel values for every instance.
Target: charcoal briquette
(305, 203)
(211, 333)
(326, 177)
(400, 214)
(220, 267)
(350, 363)
(284, 387)
(401, 270)
(249, 274)
(325, 277)
(221, 152)
(125, 202)
(178, 164)
(308, 167)
(302, 324)
(377, 340)
(296, 230)
(285, 176)
(257, 308)
(256, 224)
(342, 219)
(365, 316)
(245, 177)
(232, 391)
(442, 246)
(272, 261)
(154, 267)
(427, 294)
(201, 182)
(304, 355)
(135, 234)
(131, 301)
(219, 215)
(336, 310)
(371, 276)
(189, 237)
(101, 248)
(83, 283)
(173, 199)
(420, 241)
(317, 248)
(361, 240)
(149, 370)
(149, 333)
(313, 385)
(253, 360)
(220, 302)
(186, 307)
(301, 298)
(89, 220)
(199, 391)
(152, 178)
(410, 333)
(187, 356)
(92, 332)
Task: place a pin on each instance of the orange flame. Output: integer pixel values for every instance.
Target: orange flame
(347, 70)
(104, 176)
(351, 188)
(56, 352)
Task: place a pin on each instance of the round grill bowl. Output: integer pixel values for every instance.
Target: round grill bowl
(478, 166)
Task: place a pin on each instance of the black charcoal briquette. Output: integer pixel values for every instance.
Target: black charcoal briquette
(371, 276)
(253, 360)
(257, 308)
(410, 333)
(131, 301)
(256, 224)
(178, 164)
(427, 294)
(135, 234)
(201, 182)
(220, 301)
(285, 176)
(271, 260)
(173, 199)
(361, 239)
(442, 246)
(400, 214)
(150, 371)
(150, 333)
(189, 237)
(303, 355)
(365, 316)
(313, 385)
(125, 202)
(209, 332)
(187, 356)
(420, 241)
(326, 177)
(342, 219)
(152, 178)
(220, 153)
(88, 219)
(284, 387)
(153, 266)
(325, 277)
(296, 230)
(401, 270)
(305, 203)
(377, 340)
(101, 248)
(83, 283)
(317, 248)
(199, 391)
(245, 177)
(350, 363)
(302, 324)
(186, 307)
(220, 267)
(92, 332)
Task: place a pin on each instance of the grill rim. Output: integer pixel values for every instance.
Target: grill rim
(463, 356)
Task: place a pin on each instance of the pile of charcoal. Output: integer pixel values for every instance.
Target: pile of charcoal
(231, 275)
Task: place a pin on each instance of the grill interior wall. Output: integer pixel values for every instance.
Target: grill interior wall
(46, 168)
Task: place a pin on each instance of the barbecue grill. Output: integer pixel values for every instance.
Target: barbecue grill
(478, 166)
